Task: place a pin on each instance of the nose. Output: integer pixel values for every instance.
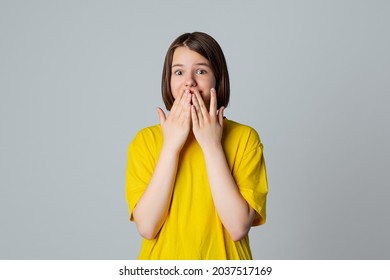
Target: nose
(190, 81)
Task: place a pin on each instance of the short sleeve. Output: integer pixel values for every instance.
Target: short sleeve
(140, 165)
(251, 178)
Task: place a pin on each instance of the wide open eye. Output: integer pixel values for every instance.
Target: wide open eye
(178, 72)
(201, 72)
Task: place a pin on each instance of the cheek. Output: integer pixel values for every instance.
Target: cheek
(174, 87)
(212, 82)
(207, 83)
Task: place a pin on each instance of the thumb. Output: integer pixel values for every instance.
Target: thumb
(161, 115)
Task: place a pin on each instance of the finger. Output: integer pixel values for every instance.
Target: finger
(187, 111)
(184, 107)
(213, 102)
(202, 107)
(196, 106)
(177, 101)
(177, 111)
(195, 120)
(161, 115)
(183, 99)
(220, 116)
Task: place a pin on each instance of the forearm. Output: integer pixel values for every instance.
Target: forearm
(152, 208)
(235, 213)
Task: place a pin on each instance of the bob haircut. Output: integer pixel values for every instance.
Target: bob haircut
(209, 48)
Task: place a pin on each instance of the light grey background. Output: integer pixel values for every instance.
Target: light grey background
(78, 79)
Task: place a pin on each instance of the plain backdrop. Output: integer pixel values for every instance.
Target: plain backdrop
(78, 79)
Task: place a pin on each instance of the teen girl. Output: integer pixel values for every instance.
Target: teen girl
(196, 183)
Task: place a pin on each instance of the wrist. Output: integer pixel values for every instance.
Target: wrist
(170, 151)
(212, 148)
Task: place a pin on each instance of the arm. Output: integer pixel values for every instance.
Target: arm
(235, 213)
(152, 208)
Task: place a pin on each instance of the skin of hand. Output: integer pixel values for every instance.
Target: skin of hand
(207, 126)
(152, 208)
(177, 125)
(235, 213)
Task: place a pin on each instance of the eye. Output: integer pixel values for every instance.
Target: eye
(178, 72)
(201, 72)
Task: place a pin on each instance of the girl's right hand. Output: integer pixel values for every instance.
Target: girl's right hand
(177, 125)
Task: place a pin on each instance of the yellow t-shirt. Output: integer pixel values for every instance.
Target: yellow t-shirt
(193, 229)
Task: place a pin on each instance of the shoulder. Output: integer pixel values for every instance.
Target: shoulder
(150, 131)
(236, 126)
(242, 133)
(148, 135)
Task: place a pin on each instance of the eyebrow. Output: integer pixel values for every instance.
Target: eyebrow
(197, 64)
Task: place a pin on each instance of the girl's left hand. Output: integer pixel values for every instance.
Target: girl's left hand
(207, 126)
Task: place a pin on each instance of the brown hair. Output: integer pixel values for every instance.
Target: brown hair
(209, 48)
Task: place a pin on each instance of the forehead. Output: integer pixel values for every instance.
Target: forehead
(183, 55)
